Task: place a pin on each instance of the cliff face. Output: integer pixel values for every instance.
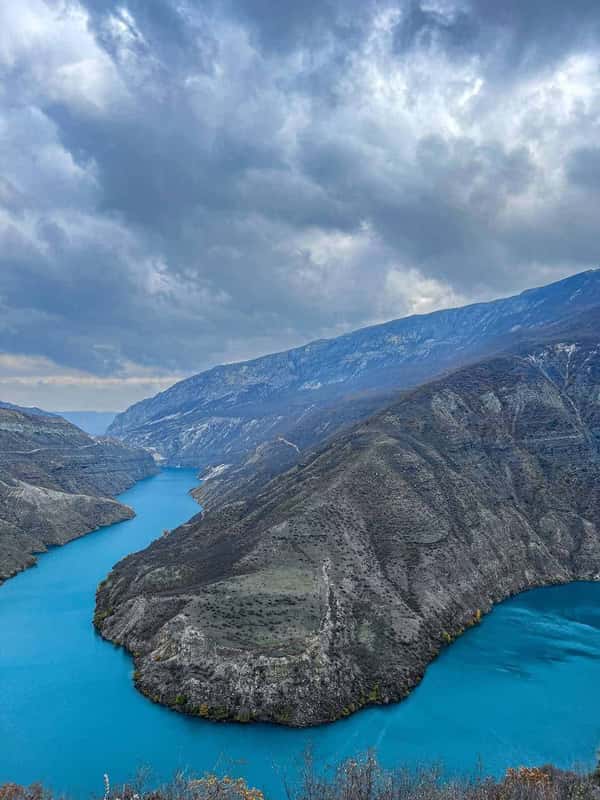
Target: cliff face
(232, 483)
(338, 583)
(56, 484)
(221, 416)
(229, 483)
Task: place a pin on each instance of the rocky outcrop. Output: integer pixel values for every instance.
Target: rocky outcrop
(337, 583)
(225, 483)
(221, 416)
(56, 483)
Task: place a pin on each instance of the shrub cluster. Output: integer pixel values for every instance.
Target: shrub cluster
(362, 779)
(367, 780)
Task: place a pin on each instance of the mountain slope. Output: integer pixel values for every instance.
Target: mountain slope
(93, 422)
(222, 415)
(336, 585)
(221, 486)
(56, 484)
(31, 410)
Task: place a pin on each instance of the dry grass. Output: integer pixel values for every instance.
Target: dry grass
(367, 780)
(363, 779)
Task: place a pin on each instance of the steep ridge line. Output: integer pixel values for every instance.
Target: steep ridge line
(336, 583)
(223, 415)
(57, 483)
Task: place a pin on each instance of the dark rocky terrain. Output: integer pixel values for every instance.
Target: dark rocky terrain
(56, 483)
(221, 485)
(222, 415)
(334, 584)
(239, 481)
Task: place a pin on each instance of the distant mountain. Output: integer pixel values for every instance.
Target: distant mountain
(56, 483)
(93, 422)
(32, 410)
(334, 584)
(222, 415)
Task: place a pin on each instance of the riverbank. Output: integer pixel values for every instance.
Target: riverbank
(57, 483)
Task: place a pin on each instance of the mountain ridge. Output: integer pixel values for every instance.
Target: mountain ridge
(221, 486)
(337, 583)
(221, 415)
(57, 483)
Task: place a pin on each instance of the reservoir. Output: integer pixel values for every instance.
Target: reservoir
(521, 688)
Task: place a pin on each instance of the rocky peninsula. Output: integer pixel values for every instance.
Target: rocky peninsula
(334, 585)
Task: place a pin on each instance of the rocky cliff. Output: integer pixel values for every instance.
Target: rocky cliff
(334, 586)
(221, 416)
(221, 486)
(56, 484)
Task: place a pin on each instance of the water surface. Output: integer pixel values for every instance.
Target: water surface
(522, 688)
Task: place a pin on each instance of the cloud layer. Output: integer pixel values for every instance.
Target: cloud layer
(185, 183)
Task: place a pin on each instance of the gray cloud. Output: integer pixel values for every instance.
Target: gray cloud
(584, 168)
(186, 183)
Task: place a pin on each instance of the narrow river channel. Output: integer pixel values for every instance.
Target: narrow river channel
(522, 688)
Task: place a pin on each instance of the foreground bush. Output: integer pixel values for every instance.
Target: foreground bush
(367, 780)
(360, 780)
(12, 791)
(207, 788)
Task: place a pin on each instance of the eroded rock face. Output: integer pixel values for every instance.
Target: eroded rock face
(337, 583)
(56, 484)
(223, 415)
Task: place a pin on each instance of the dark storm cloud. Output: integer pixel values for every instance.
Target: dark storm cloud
(183, 183)
(512, 35)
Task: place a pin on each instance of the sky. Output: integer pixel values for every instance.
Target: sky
(189, 183)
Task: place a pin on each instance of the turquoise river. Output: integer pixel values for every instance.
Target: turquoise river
(522, 688)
